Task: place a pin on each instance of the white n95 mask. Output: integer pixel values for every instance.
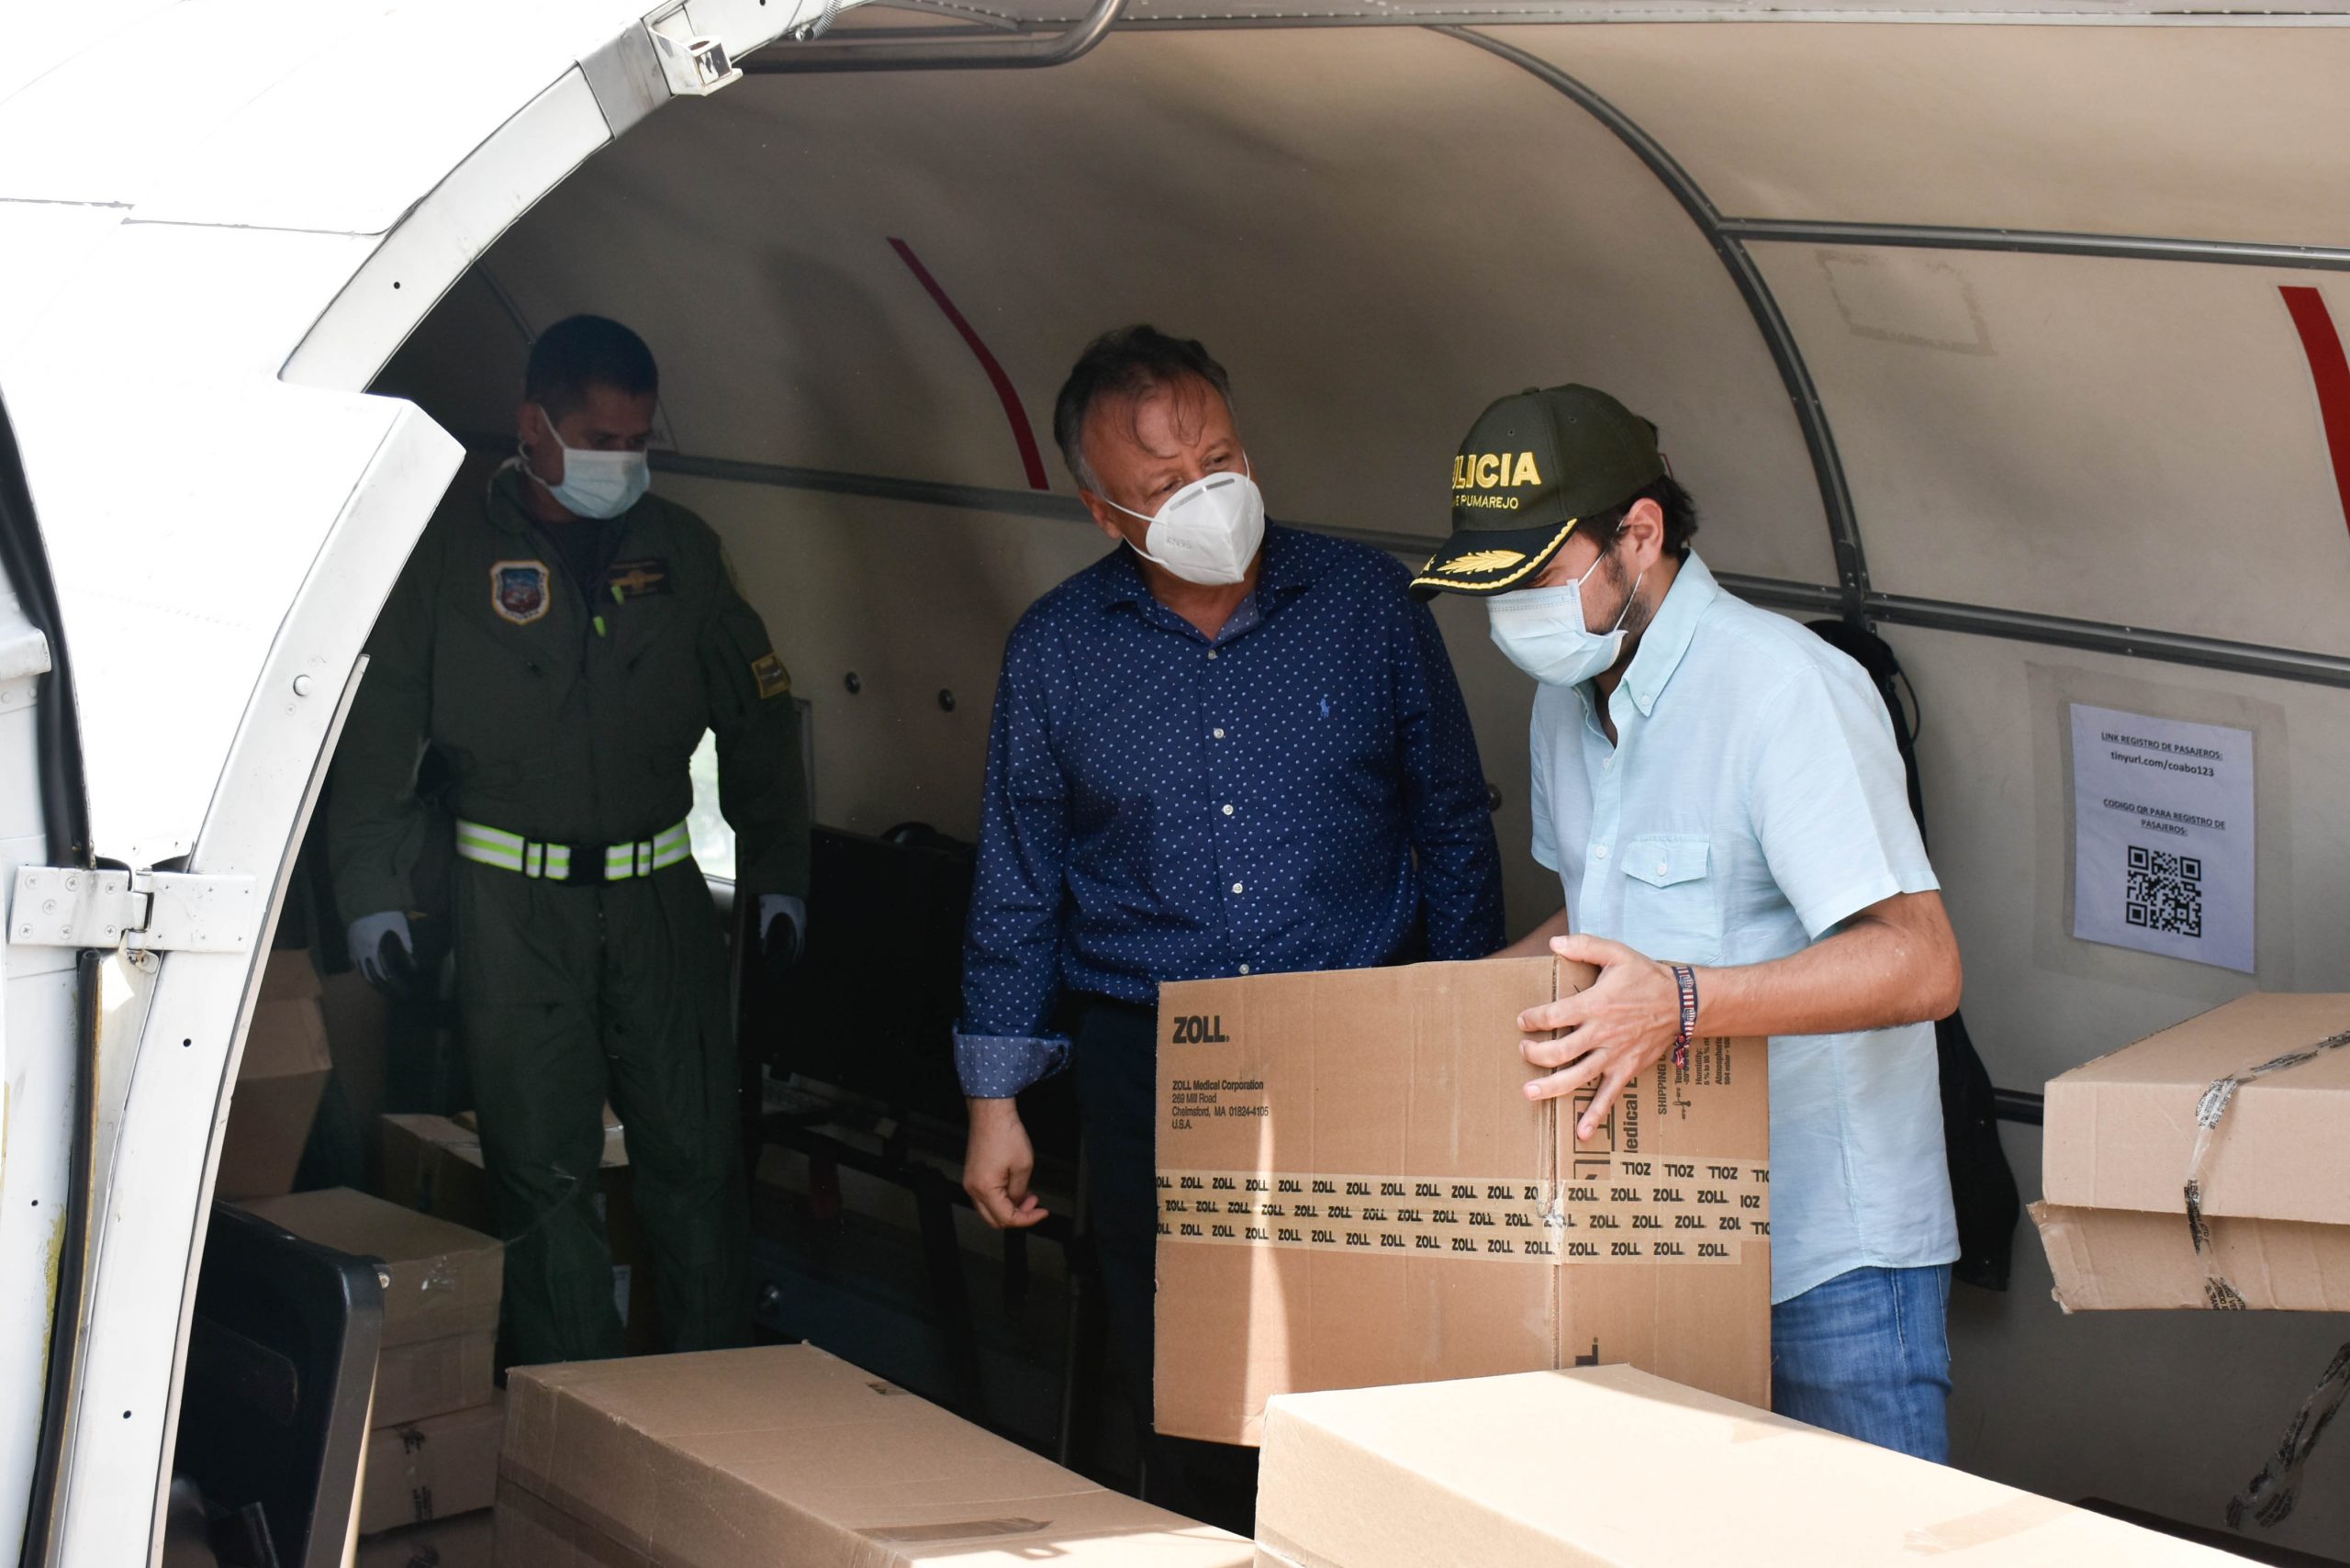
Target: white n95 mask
(1206, 533)
(600, 485)
(1543, 633)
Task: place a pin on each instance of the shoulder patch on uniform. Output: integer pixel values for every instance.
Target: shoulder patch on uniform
(774, 680)
(638, 580)
(518, 590)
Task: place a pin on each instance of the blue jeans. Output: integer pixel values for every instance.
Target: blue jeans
(1867, 1354)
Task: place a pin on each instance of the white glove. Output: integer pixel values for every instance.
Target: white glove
(385, 953)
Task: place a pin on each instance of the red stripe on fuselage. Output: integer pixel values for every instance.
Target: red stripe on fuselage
(1031, 460)
(2331, 370)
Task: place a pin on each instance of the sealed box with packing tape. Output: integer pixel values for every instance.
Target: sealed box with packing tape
(2207, 1166)
(1354, 1190)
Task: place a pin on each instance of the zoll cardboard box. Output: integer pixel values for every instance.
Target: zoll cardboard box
(1354, 1190)
(1608, 1467)
(2207, 1166)
(421, 1470)
(279, 1081)
(444, 1279)
(783, 1454)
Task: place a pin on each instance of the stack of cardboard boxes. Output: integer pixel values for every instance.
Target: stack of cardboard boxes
(2243, 1109)
(429, 1471)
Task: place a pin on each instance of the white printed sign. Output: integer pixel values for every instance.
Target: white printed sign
(2163, 837)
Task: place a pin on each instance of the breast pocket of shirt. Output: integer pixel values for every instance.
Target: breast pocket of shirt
(1675, 912)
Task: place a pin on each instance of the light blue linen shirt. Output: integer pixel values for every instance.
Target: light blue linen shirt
(1754, 801)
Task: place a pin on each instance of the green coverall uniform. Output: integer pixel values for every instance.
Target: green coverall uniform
(569, 718)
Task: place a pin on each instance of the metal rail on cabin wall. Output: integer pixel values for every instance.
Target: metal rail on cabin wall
(876, 50)
(2038, 242)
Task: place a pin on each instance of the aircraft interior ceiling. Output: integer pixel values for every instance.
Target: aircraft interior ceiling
(1382, 228)
(2102, 477)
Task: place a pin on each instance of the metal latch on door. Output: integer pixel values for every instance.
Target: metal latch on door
(140, 912)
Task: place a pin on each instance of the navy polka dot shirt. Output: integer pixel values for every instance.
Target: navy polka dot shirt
(1302, 792)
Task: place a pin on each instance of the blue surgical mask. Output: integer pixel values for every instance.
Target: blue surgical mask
(1544, 634)
(600, 485)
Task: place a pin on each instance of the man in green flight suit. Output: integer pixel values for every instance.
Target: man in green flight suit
(563, 642)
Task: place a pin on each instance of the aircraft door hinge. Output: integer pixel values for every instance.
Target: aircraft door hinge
(140, 912)
(695, 64)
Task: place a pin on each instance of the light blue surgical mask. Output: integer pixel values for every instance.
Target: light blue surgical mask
(600, 485)
(1543, 633)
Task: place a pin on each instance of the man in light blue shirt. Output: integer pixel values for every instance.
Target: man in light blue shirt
(1720, 792)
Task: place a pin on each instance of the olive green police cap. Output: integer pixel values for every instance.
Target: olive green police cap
(1533, 465)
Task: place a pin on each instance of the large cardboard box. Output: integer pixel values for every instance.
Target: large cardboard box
(279, 1081)
(1355, 1192)
(419, 1472)
(434, 1164)
(462, 1542)
(1608, 1467)
(444, 1279)
(2263, 1086)
(783, 1454)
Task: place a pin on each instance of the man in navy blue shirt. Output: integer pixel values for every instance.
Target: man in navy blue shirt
(1223, 749)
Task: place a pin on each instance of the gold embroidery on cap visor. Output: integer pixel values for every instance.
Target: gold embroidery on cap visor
(1483, 561)
(1457, 572)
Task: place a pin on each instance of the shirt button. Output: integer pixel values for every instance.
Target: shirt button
(1600, 852)
(1211, 653)
(1238, 888)
(1607, 766)
(1244, 969)
(1661, 868)
(1219, 735)
(1227, 810)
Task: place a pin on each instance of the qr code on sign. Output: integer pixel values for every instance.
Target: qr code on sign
(2166, 892)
